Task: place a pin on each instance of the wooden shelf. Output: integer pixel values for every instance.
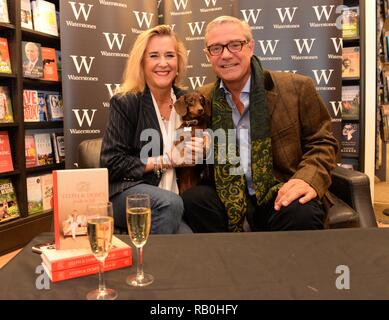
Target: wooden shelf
(46, 168)
(43, 125)
(9, 173)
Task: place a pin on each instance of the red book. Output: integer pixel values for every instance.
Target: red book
(86, 270)
(56, 260)
(5, 153)
(31, 105)
(5, 63)
(30, 151)
(49, 60)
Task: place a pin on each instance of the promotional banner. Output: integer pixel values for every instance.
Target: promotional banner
(96, 37)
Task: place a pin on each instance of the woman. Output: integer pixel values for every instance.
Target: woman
(138, 147)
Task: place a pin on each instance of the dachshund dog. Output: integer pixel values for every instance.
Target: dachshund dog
(195, 111)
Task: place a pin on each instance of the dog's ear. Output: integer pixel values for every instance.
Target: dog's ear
(180, 106)
(206, 105)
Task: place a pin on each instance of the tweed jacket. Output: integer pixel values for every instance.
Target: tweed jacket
(303, 145)
(129, 116)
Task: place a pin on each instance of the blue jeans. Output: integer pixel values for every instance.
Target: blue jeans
(167, 209)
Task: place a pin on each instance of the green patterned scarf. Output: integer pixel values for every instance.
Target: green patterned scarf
(229, 177)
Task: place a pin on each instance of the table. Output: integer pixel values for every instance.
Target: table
(222, 266)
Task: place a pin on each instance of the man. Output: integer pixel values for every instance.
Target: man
(32, 63)
(284, 139)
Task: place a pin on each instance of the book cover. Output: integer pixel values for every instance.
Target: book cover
(4, 11)
(56, 260)
(30, 151)
(5, 153)
(45, 19)
(6, 112)
(384, 110)
(47, 192)
(43, 115)
(58, 140)
(74, 190)
(350, 139)
(31, 105)
(350, 62)
(32, 60)
(8, 203)
(44, 149)
(82, 271)
(25, 12)
(49, 61)
(55, 106)
(350, 22)
(34, 195)
(58, 57)
(350, 102)
(5, 61)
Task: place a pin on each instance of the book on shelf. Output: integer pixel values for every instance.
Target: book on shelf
(6, 163)
(4, 17)
(43, 114)
(82, 271)
(30, 151)
(5, 61)
(45, 18)
(384, 109)
(350, 62)
(44, 149)
(54, 106)
(6, 112)
(350, 22)
(58, 141)
(25, 12)
(32, 60)
(47, 192)
(58, 57)
(34, 195)
(350, 139)
(49, 61)
(350, 102)
(56, 260)
(31, 105)
(8, 202)
(74, 190)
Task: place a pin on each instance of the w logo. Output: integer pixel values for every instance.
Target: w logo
(111, 91)
(181, 3)
(208, 2)
(146, 17)
(197, 82)
(85, 116)
(304, 45)
(79, 65)
(338, 43)
(80, 9)
(251, 15)
(269, 46)
(336, 108)
(195, 26)
(324, 74)
(286, 13)
(324, 10)
(113, 38)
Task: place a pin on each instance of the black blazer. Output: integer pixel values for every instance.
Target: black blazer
(129, 115)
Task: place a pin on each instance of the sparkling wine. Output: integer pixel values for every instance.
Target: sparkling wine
(138, 222)
(100, 230)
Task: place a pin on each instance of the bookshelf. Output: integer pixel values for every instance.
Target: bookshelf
(17, 232)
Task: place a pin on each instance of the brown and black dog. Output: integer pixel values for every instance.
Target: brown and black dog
(195, 111)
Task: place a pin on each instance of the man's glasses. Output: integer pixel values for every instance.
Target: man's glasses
(232, 46)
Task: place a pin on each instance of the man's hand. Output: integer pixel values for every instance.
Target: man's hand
(292, 190)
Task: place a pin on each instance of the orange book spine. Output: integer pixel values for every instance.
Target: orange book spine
(89, 269)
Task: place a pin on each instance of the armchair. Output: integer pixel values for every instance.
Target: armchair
(350, 190)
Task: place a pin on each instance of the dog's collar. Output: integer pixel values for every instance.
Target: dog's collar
(189, 123)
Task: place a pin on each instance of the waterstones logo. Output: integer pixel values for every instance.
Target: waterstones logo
(189, 66)
(336, 108)
(323, 13)
(338, 45)
(325, 75)
(180, 8)
(269, 46)
(144, 20)
(86, 116)
(196, 29)
(80, 12)
(81, 63)
(213, 7)
(284, 13)
(251, 17)
(113, 3)
(114, 40)
(196, 82)
(304, 45)
(112, 89)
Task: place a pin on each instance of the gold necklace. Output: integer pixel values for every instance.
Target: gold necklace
(170, 107)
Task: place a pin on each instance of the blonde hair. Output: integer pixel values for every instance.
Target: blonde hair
(133, 76)
(228, 19)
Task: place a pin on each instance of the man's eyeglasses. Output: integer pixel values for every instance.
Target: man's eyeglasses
(232, 46)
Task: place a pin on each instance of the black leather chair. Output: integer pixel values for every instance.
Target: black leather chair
(350, 190)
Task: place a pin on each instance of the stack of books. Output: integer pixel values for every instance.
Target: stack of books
(73, 263)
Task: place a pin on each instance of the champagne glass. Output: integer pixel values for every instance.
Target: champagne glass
(100, 231)
(138, 223)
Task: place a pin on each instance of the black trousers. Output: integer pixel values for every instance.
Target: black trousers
(204, 212)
